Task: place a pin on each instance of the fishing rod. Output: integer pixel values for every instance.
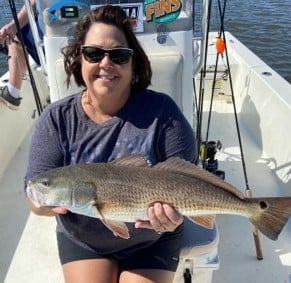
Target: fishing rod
(207, 148)
(202, 83)
(248, 190)
(19, 35)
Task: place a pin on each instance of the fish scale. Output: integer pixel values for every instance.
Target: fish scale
(135, 193)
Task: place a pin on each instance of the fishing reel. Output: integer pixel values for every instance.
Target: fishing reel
(208, 151)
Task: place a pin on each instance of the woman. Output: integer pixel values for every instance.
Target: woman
(113, 117)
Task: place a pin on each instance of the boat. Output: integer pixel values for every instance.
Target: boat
(239, 103)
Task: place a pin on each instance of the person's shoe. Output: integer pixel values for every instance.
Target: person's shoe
(6, 98)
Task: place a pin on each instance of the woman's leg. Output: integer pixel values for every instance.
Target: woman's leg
(81, 265)
(91, 271)
(147, 276)
(154, 264)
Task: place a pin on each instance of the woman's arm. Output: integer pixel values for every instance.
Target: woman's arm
(45, 153)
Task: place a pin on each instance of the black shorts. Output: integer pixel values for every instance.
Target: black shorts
(162, 254)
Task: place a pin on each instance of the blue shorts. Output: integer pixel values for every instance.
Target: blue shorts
(29, 42)
(162, 254)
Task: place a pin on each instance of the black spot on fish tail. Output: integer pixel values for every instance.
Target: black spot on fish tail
(273, 216)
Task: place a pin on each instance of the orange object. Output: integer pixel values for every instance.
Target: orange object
(220, 45)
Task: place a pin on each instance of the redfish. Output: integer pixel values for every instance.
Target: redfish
(121, 191)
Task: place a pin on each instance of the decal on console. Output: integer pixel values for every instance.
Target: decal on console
(162, 11)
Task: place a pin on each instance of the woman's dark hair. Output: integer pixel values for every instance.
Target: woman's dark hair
(112, 15)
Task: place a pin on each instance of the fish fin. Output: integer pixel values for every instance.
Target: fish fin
(206, 221)
(181, 166)
(136, 160)
(176, 164)
(117, 228)
(275, 213)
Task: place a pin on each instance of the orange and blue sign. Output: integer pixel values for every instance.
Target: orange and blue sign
(162, 11)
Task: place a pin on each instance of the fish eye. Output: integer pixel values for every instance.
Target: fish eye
(45, 182)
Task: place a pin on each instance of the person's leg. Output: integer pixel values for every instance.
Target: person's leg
(17, 66)
(147, 276)
(17, 63)
(92, 271)
(156, 263)
(83, 265)
(10, 94)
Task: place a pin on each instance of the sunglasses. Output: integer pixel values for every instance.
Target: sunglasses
(94, 54)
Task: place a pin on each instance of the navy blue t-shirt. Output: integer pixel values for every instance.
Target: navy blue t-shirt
(150, 123)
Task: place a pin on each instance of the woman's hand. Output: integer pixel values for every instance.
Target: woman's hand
(46, 210)
(162, 218)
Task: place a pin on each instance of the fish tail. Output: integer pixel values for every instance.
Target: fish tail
(274, 214)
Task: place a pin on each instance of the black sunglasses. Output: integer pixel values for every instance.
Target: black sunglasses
(94, 54)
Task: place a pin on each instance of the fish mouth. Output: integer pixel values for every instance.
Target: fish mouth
(34, 196)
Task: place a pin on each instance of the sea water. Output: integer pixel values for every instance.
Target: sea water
(263, 26)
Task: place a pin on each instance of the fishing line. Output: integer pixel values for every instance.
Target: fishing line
(222, 33)
(202, 81)
(213, 83)
(19, 35)
(195, 102)
(221, 16)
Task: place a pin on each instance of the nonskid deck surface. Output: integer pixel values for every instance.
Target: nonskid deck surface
(14, 211)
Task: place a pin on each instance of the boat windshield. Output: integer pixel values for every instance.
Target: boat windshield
(59, 17)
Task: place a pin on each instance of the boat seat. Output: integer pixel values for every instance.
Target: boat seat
(198, 241)
(199, 253)
(167, 68)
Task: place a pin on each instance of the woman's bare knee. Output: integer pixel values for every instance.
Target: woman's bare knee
(91, 271)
